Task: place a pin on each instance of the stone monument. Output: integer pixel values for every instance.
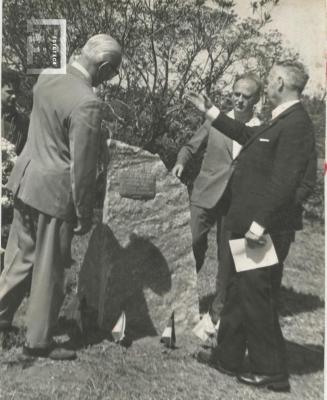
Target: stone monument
(139, 260)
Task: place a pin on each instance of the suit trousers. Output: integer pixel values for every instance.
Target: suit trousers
(37, 253)
(225, 273)
(249, 319)
(202, 220)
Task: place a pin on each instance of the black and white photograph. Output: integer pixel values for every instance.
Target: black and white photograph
(162, 199)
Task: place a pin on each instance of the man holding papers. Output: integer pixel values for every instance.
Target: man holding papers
(272, 176)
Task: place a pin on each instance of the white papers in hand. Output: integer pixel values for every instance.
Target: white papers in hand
(246, 258)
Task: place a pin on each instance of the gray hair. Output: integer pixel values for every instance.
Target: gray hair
(296, 75)
(101, 48)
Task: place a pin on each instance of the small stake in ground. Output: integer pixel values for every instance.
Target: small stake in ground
(118, 333)
(168, 337)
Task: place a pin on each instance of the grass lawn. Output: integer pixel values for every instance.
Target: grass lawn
(147, 371)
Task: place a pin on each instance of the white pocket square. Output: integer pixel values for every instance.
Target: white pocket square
(264, 140)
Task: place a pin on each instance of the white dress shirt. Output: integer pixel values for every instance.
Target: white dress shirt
(236, 147)
(282, 107)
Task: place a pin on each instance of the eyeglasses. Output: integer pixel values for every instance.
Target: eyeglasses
(107, 70)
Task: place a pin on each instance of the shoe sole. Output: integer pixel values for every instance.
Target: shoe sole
(278, 386)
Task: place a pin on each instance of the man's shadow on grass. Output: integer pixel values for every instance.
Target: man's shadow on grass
(290, 302)
(304, 358)
(112, 280)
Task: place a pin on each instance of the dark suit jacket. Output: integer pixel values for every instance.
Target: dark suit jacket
(273, 164)
(14, 128)
(55, 173)
(216, 168)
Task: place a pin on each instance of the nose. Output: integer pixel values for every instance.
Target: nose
(240, 99)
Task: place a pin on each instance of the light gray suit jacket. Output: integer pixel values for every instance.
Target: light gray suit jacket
(216, 168)
(56, 171)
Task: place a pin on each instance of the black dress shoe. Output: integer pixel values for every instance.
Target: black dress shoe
(54, 352)
(207, 358)
(278, 383)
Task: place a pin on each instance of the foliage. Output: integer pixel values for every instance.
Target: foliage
(8, 157)
(316, 107)
(170, 47)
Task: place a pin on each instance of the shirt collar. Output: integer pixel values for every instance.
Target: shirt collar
(80, 67)
(282, 107)
(254, 121)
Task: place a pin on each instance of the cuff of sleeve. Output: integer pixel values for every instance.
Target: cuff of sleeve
(257, 229)
(212, 113)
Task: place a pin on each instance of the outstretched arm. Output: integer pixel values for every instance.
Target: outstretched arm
(228, 126)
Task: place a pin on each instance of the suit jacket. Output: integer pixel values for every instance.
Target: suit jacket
(216, 168)
(14, 128)
(56, 171)
(267, 182)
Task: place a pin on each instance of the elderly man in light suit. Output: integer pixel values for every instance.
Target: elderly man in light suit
(53, 185)
(208, 200)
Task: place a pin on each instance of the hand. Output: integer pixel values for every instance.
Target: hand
(83, 226)
(178, 170)
(254, 240)
(200, 101)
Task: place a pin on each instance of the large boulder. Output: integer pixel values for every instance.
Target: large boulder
(139, 260)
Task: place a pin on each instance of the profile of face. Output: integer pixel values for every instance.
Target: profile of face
(273, 86)
(8, 97)
(244, 95)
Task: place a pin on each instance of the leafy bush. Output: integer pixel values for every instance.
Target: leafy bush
(7, 204)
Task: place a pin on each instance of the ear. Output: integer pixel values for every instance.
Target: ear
(280, 83)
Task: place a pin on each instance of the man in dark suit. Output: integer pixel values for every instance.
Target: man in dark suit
(266, 193)
(53, 184)
(207, 203)
(14, 124)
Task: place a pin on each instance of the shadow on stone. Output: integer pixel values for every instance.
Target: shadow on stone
(304, 359)
(113, 279)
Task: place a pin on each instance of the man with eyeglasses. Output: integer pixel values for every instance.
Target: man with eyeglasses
(209, 200)
(274, 174)
(53, 185)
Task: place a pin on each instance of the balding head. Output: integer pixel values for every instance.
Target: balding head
(103, 48)
(101, 57)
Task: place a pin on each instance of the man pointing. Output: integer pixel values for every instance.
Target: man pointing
(266, 194)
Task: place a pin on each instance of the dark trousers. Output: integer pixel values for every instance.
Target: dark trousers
(249, 319)
(224, 274)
